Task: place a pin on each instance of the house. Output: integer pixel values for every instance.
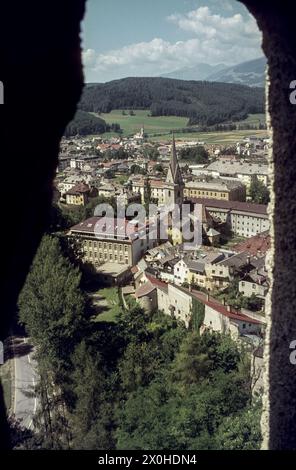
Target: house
(182, 303)
(146, 293)
(188, 271)
(255, 282)
(78, 195)
(106, 190)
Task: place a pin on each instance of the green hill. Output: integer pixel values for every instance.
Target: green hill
(85, 123)
(204, 103)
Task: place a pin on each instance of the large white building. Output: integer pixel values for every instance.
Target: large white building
(242, 170)
(109, 240)
(243, 218)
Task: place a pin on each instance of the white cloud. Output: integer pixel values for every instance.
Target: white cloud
(89, 57)
(215, 39)
(203, 23)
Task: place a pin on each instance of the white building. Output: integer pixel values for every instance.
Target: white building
(244, 171)
(243, 218)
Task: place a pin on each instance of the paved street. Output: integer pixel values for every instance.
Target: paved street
(25, 402)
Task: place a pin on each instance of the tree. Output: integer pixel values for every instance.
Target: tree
(258, 191)
(241, 431)
(137, 170)
(176, 412)
(167, 97)
(158, 167)
(51, 305)
(197, 154)
(93, 410)
(109, 174)
(151, 153)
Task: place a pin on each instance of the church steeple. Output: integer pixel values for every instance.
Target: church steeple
(174, 175)
(174, 181)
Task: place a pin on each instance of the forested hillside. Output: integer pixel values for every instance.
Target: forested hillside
(202, 102)
(85, 123)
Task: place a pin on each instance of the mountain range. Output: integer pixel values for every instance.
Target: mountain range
(251, 73)
(198, 72)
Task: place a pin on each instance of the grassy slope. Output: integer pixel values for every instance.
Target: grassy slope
(132, 124)
(110, 301)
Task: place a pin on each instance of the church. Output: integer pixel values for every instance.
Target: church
(174, 184)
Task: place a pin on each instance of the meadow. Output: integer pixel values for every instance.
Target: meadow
(152, 124)
(159, 128)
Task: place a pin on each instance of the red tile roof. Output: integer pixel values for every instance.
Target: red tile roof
(79, 188)
(259, 244)
(215, 305)
(232, 205)
(156, 282)
(103, 226)
(145, 289)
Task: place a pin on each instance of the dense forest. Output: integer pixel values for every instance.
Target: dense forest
(204, 103)
(85, 123)
(142, 382)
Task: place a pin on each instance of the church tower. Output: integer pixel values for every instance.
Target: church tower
(174, 188)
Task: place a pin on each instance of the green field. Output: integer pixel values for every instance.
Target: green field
(132, 124)
(163, 125)
(217, 138)
(253, 119)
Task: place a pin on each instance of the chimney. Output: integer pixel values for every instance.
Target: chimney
(190, 287)
(223, 301)
(207, 297)
(228, 308)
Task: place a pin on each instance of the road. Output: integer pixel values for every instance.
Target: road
(25, 378)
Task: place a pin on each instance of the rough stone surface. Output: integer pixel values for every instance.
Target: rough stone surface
(40, 67)
(277, 23)
(41, 70)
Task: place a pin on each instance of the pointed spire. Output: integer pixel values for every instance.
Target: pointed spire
(174, 161)
(174, 173)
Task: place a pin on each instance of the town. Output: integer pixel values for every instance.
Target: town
(225, 275)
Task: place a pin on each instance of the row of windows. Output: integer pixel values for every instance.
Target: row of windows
(192, 192)
(106, 257)
(103, 245)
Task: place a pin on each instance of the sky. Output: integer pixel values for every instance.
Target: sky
(124, 38)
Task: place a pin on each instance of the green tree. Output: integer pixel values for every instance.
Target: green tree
(158, 167)
(241, 431)
(197, 154)
(258, 191)
(93, 412)
(51, 305)
(137, 170)
(176, 412)
(151, 153)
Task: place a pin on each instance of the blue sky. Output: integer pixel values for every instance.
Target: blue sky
(148, 38)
